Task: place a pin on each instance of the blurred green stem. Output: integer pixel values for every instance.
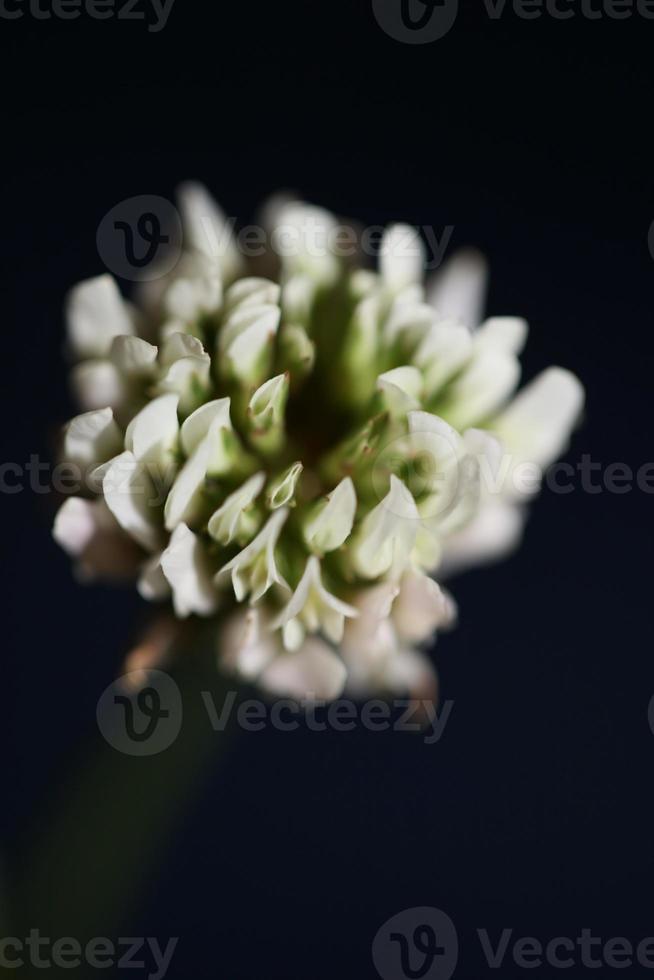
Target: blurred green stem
(103, 839)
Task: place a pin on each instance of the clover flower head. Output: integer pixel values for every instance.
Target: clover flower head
(295, 452)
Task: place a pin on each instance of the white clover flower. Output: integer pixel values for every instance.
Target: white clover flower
(294, 458)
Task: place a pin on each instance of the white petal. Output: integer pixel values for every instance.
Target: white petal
(92, 438)
(537, 424)
(482, 389)
(491, 536)
(504, 333)
(265, 316)
(313, 672)
(224, 524)
(409, 322)
(153, 584)
(179, 345)
(444, 472)
(197, 425)
(189, 378)
(330, 522)
(315, 606)
(267, 403)
(420, 608)
(188, 299)
(133, 356)
(443, 351)
(251, 291)
(86, 530)
(97, 384)
(96, 313)
(281, 491)
(185, 497)
(297, 298)
(130, 496)
(206, 228)
(186, 566)
(401, 388)
(248, 354)
(301, 236)
(387, 534)
(458, 289)
(254, 569)
(412, 672)
(401, 257)
(245, 644)
(152, 433)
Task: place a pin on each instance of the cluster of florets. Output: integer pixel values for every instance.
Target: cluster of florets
(296, 456)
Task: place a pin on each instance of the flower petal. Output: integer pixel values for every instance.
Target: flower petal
(254, 570)
(207, 229)
(387, 534)
(420, 608)
(92, 438)
(186, 566)
(87, 530)
(97, 384)
(96, 313)
(491, 536)
(153, 584)
(245, 644)
(312, 673)
(537, 424)
(330, 521)
(130, 496)
(504, 333)
(401, 257)
(152, 433)
(482, 388)
(458, 289)
(227, 522)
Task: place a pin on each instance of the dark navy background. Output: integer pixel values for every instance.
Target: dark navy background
(535, 811)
